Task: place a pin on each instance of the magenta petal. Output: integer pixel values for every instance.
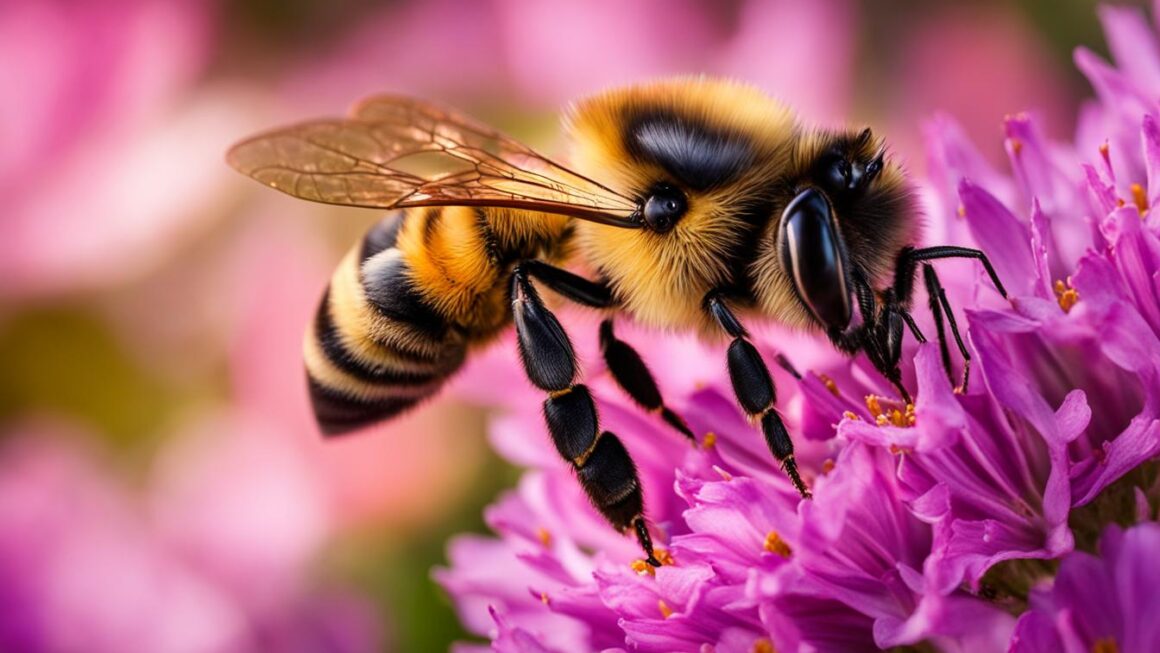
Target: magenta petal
(1133, 44)
(1151, 133)
(1002, 235)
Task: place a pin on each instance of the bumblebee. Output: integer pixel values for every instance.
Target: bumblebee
(694, 203)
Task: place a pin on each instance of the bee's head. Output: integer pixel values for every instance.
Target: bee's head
(698, 155)
(849, 215)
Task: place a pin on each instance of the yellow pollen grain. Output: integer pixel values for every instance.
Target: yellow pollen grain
(827, 465)
(774, 544)
(709, 440)
(1119, 202)
(1067, 296)
(1140, 198)
(666, 611)
(1104, 150)
(544, 598)
(641, 568)
(851, 415)
(664, 557)
(897, 450)
(874, 406)
(1105, 645)
(763, 645)
(544, 536)
(830, 385)
(1016, 145)
(962, 211)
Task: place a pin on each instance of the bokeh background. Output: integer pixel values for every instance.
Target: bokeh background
(162, 487)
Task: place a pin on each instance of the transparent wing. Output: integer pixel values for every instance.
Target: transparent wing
(400, 152)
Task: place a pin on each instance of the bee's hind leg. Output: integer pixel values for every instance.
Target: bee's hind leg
(602, 464)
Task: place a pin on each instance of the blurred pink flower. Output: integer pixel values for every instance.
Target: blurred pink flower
(84, 565)
(981, 61)
(107, 162)
(558, 52)
(441, 50)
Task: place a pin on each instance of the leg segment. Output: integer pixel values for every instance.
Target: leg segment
(634, 377)
(602, 464)
(754, 388)
(625, 364)
(938, 306)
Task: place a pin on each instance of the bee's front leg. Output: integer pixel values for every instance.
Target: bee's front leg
(754, 388)
(603, 465)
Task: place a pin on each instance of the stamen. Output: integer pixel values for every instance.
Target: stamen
(830, 385)
(1104, 153)
(664, 557)
(544, 536)
(544, 598)
(666, 611)
(898, 415)
(774, 544)
(827, 466)
(1067, 296)
(1140, 198)
(851, 415)
(709, 440)
(641, 568)
(763, 645)
(962, 212)
(1105, 645)
(1016, 145)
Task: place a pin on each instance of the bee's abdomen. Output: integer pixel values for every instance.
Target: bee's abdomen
(375, 348)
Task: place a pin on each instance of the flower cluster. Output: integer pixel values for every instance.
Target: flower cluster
(987, 520)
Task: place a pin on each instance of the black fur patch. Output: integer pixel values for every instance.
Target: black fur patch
(382, 236)
(332, 346)
(338, 413)
(389, 289)
(696, 155)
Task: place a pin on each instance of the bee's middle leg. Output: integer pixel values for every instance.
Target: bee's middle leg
(754, 388)
(602, 464)
(634, 377)
(627, 367)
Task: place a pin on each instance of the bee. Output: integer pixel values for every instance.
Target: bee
(693, 203)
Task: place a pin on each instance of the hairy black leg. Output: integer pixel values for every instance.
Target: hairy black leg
(602, 464)
(938, 307)
(634, 377)
(909, 259)
(573, 286)
(627, 367)
(754, 388)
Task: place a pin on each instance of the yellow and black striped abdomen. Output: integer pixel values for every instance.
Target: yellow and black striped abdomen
(375, 347)
(407, 302)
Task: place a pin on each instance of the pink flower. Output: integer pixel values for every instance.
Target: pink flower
(1098, 603)
(107, 161)
(86, 566)
(919, 518)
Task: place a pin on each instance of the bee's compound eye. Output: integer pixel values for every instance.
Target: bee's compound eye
(838, 173)
(663, 208)
(812, 256)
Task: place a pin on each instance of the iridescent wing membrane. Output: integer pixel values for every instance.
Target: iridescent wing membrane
(398, 152)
